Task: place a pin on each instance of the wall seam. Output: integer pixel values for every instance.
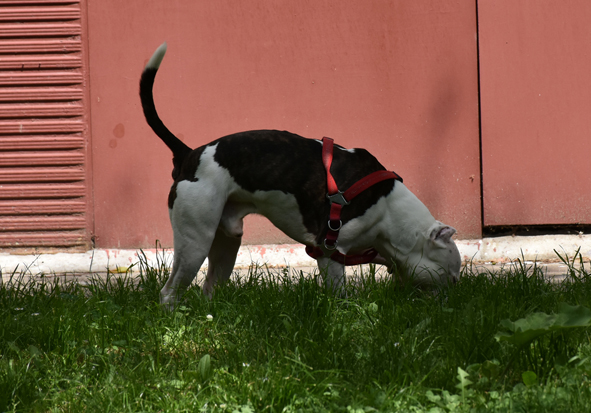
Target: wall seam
(478, 69)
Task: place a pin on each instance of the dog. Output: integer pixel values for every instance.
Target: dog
(281, 176)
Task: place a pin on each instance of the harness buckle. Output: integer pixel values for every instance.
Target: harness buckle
(338, 198)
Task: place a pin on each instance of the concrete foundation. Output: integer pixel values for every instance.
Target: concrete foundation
(488, 252)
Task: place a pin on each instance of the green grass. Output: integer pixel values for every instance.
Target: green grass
(274, 342)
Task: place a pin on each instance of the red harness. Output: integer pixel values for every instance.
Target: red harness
(339, 199)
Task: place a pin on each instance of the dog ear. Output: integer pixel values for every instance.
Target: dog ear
(441, 234)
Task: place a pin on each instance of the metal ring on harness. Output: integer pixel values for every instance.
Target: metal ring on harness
(335, 229)
(331, 247)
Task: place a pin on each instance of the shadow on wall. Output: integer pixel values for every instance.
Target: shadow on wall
(441, 117)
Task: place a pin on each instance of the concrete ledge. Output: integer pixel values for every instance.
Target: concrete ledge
(536, 248)
(484, 251)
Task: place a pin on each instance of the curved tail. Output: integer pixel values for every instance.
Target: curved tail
(178, 148)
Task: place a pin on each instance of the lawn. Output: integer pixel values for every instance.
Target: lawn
(272, 341)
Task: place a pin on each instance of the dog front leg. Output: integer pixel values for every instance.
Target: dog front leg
(333, 274)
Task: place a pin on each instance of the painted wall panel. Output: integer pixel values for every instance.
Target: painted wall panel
(536, 99)
(396, 77)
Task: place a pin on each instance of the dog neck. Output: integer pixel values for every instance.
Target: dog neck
(406, 222)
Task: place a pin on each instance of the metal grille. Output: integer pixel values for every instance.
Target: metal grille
(42, 129)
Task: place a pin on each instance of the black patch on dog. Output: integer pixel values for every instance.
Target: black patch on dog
(267, 160)
(172, 195)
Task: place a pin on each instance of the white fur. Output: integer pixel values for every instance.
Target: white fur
(156, 59)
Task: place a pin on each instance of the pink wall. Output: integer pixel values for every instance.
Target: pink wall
(536, 105)
(397, 77)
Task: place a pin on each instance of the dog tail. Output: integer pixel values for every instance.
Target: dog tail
(178, 148)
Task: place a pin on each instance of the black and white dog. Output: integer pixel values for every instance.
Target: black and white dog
(282, 176)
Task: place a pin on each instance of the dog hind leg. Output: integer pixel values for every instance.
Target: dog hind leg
(184, 271)
(222, 257)
(195, 218)
(188, 258)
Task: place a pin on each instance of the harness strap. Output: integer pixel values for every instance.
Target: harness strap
(327, 149)
(339, 199)
(365, 257)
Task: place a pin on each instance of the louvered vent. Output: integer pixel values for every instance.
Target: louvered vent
(42, 130)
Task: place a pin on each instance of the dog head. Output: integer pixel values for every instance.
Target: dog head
(434, 258)
(415, 241)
